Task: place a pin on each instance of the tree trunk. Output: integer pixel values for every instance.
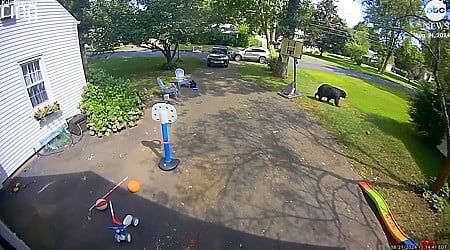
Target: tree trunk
(84, 57)
(176, 49)
(268, 41)
(265, 29)
(81, 42)
(383, 66)
(281, 68)
(390, 51)
(167, 53)
(272, 32)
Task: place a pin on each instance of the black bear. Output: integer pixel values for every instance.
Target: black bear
(331, 93)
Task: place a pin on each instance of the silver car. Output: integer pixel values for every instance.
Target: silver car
(256, 54)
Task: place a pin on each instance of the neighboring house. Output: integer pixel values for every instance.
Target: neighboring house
(40, 63)
(370, 57)
(225, 33)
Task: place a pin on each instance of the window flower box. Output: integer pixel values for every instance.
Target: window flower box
(45, 111)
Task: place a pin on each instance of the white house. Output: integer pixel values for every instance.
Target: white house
(40, 64)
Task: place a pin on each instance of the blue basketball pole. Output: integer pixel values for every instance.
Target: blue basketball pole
(167, 163)
(165, 135)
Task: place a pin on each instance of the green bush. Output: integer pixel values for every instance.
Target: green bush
(425, 113)
(243, 39)
(436, 201)
(356, 51)
(272, 62)
(110, 104)
(253, 41)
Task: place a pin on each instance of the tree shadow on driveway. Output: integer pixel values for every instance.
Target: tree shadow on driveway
(55, 218)
(261, 164)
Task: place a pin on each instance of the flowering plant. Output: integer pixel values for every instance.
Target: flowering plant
(45, 111)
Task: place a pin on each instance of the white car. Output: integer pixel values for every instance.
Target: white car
(256, 54)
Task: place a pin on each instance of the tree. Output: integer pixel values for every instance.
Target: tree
(80, 9)
(389, 19)
(287, 29)
(437, 51)
(358, 45)
(109, 20)
(409, 58)
(163, 24)
(331, 26)
(260, 15)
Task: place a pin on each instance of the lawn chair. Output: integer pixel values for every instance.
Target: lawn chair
(172, 90)
(181, 79)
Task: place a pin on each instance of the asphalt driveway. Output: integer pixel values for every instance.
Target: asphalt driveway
(256, 172)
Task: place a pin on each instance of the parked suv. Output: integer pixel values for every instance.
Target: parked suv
(257, 54)
(218, 56)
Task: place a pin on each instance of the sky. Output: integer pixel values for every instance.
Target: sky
(349, 10)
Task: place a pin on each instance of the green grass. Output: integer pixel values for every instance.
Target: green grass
(142, 71)
(373, 128)
(347, 63)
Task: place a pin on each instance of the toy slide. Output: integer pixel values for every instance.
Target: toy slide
(399, 236)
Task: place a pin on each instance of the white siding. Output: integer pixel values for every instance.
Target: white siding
(52, 37)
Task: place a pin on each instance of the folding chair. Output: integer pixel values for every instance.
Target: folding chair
(172, 90)
(181, 79)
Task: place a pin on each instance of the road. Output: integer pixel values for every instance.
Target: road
(316, 64)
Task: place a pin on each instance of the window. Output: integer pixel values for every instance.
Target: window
(6, 9)
(34, 81)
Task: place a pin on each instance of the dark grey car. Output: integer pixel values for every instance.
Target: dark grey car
(218, 56)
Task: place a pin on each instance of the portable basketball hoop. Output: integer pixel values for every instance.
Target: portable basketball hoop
(291, 48)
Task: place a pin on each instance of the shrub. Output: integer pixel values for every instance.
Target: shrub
(243, 36)
(356, 51)
(425, 113)
(436, 201)
(110, 104)
(272, 61)
(253, 41)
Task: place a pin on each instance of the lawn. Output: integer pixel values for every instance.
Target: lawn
(373, 128)
(347, 63)
(142, 71)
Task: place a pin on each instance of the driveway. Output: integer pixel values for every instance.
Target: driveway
(256, 172)
(317, 64)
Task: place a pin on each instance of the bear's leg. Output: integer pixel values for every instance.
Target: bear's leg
(328, 99)
(336, 102)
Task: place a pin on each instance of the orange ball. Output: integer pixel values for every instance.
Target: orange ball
(133, 186)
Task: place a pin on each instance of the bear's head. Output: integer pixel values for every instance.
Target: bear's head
(343, 94)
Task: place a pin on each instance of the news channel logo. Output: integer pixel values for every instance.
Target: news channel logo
(437, 10)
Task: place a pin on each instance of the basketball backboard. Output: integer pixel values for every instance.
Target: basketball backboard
(291, 48)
